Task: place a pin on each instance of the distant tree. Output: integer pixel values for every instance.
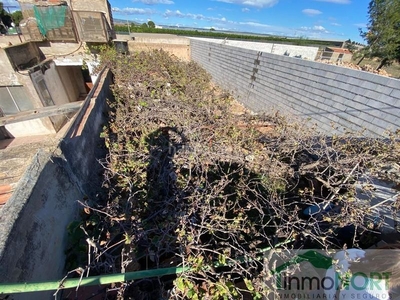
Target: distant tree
(301, 40)
(350, 46)
(144, 25)
(17, 17)
(383, 31)
(151, 24)
(5, 20)
(212, 29)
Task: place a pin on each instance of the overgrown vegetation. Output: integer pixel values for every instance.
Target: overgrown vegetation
(190, 183)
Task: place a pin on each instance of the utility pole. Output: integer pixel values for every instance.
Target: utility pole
(129, 29)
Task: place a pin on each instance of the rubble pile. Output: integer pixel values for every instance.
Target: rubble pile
(367, 68)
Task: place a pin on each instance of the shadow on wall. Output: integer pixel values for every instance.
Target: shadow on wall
(82, 146)
(5, 134)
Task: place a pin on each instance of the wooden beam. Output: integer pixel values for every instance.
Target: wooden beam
(41, 112)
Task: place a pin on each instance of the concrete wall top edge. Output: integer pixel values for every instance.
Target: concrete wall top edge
(261, 46)
(14, 206)
(363, 75)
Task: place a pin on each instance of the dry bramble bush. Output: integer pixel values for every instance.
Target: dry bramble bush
(189, 183)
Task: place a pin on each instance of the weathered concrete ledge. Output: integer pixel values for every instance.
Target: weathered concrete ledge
(33, 222)
(176, 45)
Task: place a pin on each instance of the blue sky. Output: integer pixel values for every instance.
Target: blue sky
(326, 19)
(330, 19)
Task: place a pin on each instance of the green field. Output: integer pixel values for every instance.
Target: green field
(121, 29)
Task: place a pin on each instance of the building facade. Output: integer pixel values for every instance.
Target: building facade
(336, 54)
(52, 66)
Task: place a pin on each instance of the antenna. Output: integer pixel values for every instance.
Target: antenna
(10, 6)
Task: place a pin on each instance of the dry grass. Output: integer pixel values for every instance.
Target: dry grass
(393, 70)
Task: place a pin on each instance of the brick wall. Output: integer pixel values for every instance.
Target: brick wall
(319, 92)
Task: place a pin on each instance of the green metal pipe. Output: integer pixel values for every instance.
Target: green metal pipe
(14, 288)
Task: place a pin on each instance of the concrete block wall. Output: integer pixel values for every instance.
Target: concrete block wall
(176, 45)
(304, 52)
(323, 94)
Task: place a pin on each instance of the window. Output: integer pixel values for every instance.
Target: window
(44, 92)
(13, 99)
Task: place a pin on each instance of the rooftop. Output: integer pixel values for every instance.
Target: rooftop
(338, 50)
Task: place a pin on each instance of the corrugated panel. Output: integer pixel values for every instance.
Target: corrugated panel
(91, 26)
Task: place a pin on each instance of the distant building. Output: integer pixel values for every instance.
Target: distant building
(336, 54)
(47, 68)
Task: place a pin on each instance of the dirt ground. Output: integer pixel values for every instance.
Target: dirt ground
(393, 70)
(180, 51)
